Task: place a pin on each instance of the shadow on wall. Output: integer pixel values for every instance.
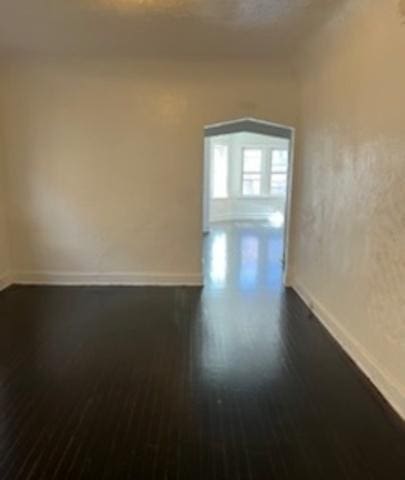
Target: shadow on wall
(401, 8)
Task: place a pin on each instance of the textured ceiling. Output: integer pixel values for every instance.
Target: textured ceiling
(156, 28)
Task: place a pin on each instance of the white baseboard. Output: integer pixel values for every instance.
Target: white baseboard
(115, 278)
(391, 390)
(5, 281)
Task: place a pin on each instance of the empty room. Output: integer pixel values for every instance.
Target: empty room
(202, 239)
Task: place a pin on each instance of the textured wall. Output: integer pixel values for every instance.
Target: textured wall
(104, 161)
(4, 240)
(349, 222)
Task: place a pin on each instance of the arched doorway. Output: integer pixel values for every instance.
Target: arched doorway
(248, 168)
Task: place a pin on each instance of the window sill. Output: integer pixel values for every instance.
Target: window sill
(254, 197)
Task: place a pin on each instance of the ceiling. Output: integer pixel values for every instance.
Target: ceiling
(159, 28)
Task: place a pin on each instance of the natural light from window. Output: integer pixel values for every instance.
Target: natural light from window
(279, 169)
(252, 172)
(220, 172)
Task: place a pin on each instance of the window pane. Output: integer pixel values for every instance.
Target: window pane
(252, 171)
(279, 161)
(251, 184)
(278, 184)
(220, 172)
(252, 160)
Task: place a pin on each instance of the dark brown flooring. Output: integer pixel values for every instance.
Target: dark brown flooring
(237, 381)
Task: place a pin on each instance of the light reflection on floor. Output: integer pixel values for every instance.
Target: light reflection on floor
(218, 260)
(246, 256)
(249, 264)
(241, 306)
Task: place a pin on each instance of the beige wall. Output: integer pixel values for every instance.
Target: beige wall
(349, 203)
(104, 162)
(4, 240)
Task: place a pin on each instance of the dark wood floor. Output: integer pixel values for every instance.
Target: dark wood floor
(234, 382)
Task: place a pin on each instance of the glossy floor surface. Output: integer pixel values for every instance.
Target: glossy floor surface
(237, 381)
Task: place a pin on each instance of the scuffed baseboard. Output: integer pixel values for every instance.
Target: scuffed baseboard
(115, 278)
(390, 389)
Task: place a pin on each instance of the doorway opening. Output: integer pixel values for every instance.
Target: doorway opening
(248, 167)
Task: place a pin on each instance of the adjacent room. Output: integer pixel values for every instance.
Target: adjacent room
(248, 178)
(245, 201)
(202, 240)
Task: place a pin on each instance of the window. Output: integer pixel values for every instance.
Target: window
(279, 169)
(252, 166)
(220, 172)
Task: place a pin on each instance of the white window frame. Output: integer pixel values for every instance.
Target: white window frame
(271, 172)
(266, 165)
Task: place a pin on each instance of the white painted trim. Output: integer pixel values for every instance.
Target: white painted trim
(111, 278)
(206, 185)
(287, 247)
(248, 119)
(391, 390)
(5, 281)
